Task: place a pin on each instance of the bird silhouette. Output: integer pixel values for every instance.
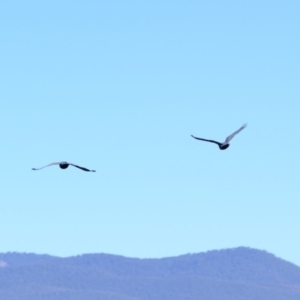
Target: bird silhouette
(224, 145)
(64, 165)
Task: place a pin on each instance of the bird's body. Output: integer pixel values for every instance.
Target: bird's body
(64, 165)
(225, 144)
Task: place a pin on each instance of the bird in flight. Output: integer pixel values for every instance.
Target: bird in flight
(225, 144)
(64, 165)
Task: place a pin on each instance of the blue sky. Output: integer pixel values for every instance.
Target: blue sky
(119, 86)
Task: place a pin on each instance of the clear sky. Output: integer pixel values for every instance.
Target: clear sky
(119, 86)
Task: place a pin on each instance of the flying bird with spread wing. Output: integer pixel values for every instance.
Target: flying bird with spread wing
(64, 165)
(225, 144)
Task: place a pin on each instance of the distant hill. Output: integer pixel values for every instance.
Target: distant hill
(239, 274)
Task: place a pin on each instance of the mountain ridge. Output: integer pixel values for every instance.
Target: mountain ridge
(236, 273)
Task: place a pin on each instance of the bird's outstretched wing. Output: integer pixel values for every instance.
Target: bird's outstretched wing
(211, 141)
(55, 163)
(82, 168)
(230, 137)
